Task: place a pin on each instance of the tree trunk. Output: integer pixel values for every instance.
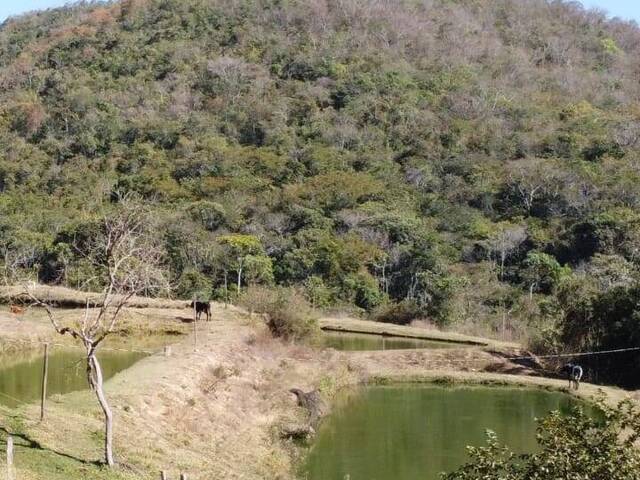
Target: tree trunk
(96, 380)
(504, 324)
(226, 289)
(385, 287)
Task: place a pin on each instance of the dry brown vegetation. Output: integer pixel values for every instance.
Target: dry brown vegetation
(213, 413)
(70, 298)
(219, 412)
(346, 324)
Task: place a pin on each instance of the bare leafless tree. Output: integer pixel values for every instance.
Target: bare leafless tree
(534, 180)
(19, 260)
(505, 240)
(127, 261)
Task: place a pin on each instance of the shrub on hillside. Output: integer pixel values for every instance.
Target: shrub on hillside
(288, 313)
(577, 446)
(402, 313)
(194, 285)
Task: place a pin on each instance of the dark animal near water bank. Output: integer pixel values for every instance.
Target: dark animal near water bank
(200, 308)
(575, 374)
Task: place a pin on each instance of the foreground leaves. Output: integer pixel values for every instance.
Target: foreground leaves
(577, 446)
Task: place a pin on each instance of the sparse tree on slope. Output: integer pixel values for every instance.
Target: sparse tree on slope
(126, 259)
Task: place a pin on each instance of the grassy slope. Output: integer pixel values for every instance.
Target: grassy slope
(191, 412)
(68, 297)
(215, 413)
(30, 330)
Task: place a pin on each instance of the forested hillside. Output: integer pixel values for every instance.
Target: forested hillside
(471, 162)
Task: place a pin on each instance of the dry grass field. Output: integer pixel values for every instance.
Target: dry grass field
(218, 412)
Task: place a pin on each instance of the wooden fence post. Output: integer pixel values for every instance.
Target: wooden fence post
(163, 475)
(195, 328)
(226, 291)
(183, 476)
(45, 374)
(10, 470)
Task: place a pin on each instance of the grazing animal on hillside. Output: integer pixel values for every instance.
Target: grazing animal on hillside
(575, 374)
(200, 308)
(16, 310)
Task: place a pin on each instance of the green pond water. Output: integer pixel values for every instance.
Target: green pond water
(414, 433)
(363, 341)
(21, 373)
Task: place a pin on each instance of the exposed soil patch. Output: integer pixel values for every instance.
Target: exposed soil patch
(62, 297)
(224, 411)
(353, 325)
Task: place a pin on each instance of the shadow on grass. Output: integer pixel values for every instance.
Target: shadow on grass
(25, 442)
(528, 360)
(185, 319)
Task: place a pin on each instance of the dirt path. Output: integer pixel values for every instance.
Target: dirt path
(219, 412)
(353, 325)
(213, 413)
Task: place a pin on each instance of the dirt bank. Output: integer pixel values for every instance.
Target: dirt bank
(353, 325)
(214, 413)
(69, 298)
(31, 328)
(219, 412)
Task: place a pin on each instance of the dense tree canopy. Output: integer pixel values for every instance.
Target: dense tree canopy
(459, 161)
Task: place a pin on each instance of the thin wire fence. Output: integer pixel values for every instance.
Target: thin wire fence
(14, 399)
(578, 354)
(405, 351)
(28, 343)
(149, 428)
(438, 356)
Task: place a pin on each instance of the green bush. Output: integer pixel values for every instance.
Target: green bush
(194, 285)
(572, 447)
(317, 292)
(401, 313)
(210, 215)
(288, 313)
(363, 290)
